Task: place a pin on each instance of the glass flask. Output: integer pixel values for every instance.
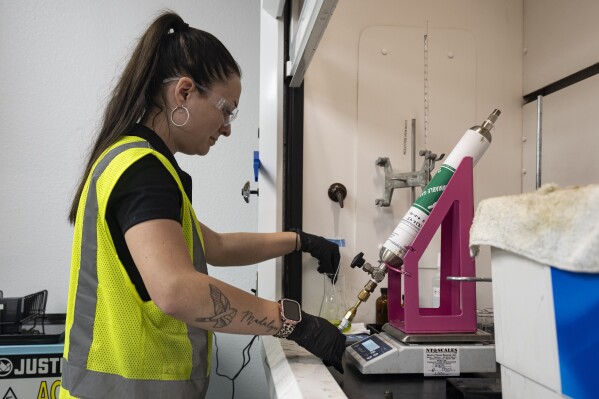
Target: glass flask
(333, 306)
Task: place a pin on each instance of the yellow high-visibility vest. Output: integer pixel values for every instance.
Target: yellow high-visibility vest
(117, 345)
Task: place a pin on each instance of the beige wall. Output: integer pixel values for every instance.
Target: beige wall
(353, 116)
(560, 38)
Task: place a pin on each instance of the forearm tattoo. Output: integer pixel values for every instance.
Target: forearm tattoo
(223, 313)
(250, 319)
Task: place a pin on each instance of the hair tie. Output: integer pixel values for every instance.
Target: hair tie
(178, 28)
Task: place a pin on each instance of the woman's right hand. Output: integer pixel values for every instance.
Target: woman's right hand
(321, 338)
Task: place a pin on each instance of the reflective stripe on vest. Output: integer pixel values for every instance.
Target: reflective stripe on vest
(78, 379)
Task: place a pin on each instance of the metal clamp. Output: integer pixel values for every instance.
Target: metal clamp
(395, 180)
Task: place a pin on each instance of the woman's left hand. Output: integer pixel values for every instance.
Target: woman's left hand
(322, 249)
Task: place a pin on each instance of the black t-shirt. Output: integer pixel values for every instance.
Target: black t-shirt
(145, 191)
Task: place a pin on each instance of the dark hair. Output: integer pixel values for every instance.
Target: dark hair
(169, 48)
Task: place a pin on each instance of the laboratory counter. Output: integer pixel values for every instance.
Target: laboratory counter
(292, 372)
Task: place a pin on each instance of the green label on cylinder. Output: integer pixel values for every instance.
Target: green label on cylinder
(431, 193)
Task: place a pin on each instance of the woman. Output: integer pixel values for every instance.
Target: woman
(141, 306)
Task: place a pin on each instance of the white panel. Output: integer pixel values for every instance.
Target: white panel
(569, 137)
(390, 95)
(271, 121)
(516, 386)
(525, 336)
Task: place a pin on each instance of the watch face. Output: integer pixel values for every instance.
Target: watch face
(291, 310)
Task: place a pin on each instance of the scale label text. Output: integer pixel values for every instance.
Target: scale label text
(441, 361)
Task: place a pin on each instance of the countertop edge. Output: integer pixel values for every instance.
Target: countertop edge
(293, 372)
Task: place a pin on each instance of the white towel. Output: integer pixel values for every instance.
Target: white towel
(553, 226)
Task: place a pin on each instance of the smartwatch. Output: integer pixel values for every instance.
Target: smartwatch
(291, 314)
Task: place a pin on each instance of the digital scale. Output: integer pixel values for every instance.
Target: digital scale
(394, 352)
(444, 340)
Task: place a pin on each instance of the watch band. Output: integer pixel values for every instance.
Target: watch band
(285, 331)
(288, 325)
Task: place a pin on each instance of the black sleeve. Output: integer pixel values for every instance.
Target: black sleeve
(145, 191)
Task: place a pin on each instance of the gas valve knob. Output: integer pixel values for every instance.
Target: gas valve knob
(337, 193)
(358, 261)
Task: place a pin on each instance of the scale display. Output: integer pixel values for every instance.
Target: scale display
(371, 347)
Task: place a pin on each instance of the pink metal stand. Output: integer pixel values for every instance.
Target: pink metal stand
(457, 311)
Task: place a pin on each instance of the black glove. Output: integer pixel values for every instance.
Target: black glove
(322, 249)
(320, 338)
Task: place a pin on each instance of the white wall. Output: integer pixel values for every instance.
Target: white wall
(59, 62)
(490, 32)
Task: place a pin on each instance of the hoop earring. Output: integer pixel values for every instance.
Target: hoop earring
(176, 109)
